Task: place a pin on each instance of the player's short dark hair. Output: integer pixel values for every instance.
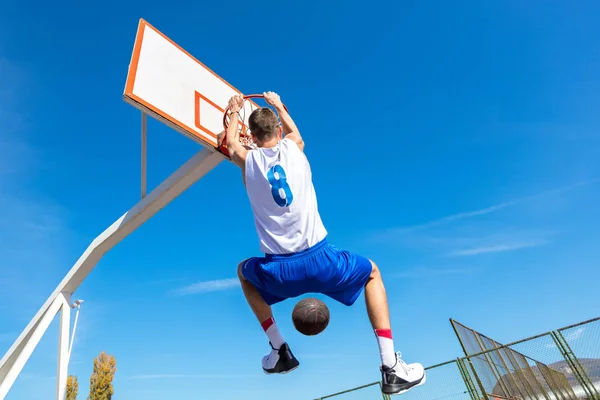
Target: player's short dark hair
(263, 124)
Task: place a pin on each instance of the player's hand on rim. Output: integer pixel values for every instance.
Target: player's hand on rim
(235, 103)
(272, 99)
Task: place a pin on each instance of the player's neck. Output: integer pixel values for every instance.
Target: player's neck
(269, 143)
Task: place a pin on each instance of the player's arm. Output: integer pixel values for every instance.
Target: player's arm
(237, 152)
(290, 130)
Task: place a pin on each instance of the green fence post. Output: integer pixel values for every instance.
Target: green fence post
(383, 395)
(464, 372)
(579, 372)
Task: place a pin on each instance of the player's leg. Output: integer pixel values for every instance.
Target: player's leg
(379, 316)
(397, 376)
(258, 305)
(354, 274)
(280, 359)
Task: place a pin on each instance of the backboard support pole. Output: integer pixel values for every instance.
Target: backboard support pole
(144, 135)
(63, 346)
(16, 357)
(205, 90)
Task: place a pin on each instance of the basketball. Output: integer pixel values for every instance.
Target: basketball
(310, 316)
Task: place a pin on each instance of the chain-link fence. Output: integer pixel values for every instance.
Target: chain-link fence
(581, 345)
(543, 367)
(511, 371)
(370, 391)
(444, 381)
(558, 365)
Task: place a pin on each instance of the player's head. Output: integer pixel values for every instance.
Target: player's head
(263, 124)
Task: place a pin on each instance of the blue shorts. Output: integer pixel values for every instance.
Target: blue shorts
(322, 268)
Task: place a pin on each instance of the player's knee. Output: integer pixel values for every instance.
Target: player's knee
(239, 271)
(374, 271)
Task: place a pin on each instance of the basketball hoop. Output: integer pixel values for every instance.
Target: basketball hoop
(245, 135)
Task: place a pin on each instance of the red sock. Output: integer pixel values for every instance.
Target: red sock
(270, 328)
(386, 346)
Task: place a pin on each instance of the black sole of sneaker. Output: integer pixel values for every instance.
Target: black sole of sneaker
(281, 372)
(394, 389)
(286, 369)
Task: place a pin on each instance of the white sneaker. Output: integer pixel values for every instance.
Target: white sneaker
(401, 377)
(279, 361)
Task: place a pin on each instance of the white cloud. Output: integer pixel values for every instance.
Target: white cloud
(426, 272)
(469, 240)
(394, 232)
(207, 286)
(191, 376)
(497, 248)
(456, 217)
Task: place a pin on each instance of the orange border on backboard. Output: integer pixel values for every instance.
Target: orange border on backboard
(137, 101)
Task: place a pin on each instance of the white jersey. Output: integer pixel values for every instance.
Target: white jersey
(283, 199)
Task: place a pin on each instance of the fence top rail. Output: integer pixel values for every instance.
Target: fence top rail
(579, 324)
(441, 364)
(503, 345)
(349, 390)
(453, 321)
(496, 348)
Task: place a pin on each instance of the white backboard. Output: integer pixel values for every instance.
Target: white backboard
(170, 84)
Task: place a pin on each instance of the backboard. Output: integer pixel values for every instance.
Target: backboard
(170, 84)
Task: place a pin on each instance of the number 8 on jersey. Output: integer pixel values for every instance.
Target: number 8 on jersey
(280, 189)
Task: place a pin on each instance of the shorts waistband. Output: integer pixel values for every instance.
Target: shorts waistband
(299, 254)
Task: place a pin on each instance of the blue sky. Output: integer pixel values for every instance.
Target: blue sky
(454, 144)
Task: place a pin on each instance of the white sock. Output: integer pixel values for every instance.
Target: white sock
(270, 328)
(386, 347)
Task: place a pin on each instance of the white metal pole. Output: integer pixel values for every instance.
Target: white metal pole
(63, 347)
(40, 328)
(189, 173)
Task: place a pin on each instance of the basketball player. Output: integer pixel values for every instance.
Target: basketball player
(298, 259)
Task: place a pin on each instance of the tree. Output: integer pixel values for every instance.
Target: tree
(72, 387)
(101, 387)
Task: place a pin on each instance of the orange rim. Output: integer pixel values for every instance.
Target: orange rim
(246, 97)
(223, 146)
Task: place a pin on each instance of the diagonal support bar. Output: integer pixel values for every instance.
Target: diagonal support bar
(34, 336)
(190, 172)
(77, 305)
